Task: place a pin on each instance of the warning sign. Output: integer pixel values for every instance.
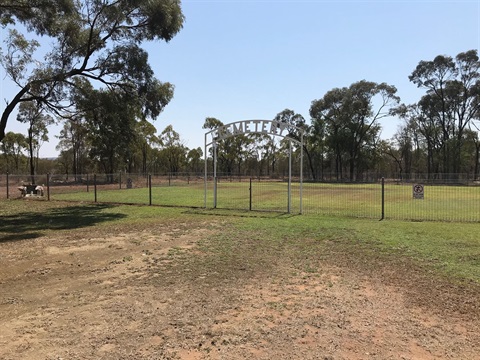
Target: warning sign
(418, 191)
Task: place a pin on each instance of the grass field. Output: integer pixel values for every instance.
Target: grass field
(440, 203)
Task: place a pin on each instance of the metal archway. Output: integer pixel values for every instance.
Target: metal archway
(243, 127)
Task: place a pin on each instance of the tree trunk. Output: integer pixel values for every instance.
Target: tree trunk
(477, 161)
(310, 162)
(9, 108)
(32, 160)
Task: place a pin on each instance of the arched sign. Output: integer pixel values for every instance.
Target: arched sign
(245, 127)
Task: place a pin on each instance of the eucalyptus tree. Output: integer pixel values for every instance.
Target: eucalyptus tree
(12, 148)
(194, 160)
(326, 114)
(39, 16)
(73, 143)
(270, 148)
(350, 118)
(110, 120)
(403, 151)
(90, 39)
(212, 123)
(425, 134)
(316, 140)
(37, 122)
(471, 152)
(172, 149)
(475, 128)
(451, 102)
(243, 147)
(264, 149)
(63, 162)
(145, 140)
(294, 122)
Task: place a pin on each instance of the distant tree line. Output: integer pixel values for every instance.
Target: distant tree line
(438, 134)
(95, 79)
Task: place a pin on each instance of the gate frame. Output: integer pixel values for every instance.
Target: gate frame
(244, 127)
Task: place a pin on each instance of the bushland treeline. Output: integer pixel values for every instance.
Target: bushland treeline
(438, 134)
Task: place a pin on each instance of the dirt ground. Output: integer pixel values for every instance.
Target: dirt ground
(143, 294)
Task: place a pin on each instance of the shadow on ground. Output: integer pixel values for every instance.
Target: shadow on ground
(241, 213)
(30, 225)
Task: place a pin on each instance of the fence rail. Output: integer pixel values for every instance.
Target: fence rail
(444, 199)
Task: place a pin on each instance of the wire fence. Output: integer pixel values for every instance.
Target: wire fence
(422, 199)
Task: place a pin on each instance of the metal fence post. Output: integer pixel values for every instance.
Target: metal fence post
(289, 178)
(8, 187)
(150, 189)
(383, 199)
(250, 189)
(48, 187)
(120, 180)
(88, 188)
(95, 186)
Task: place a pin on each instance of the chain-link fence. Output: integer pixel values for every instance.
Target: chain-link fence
(441, 198)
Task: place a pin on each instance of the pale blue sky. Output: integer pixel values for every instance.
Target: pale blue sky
(239, 60)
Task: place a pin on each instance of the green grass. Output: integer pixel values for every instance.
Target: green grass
(446, 249)
(252, 239)
(191, 196)
(447, 203)
(28, 219)
(441, 203)
(451, 248)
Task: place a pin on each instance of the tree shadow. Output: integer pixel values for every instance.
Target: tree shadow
(241, 213)
(30, 225)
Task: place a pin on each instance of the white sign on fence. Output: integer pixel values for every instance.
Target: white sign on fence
(418, 191)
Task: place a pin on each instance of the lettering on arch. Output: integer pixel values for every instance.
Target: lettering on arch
(244, 127)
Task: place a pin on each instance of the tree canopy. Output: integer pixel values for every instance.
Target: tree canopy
(37, 133)
(449, 107)
(97, 41)
(349, 117)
